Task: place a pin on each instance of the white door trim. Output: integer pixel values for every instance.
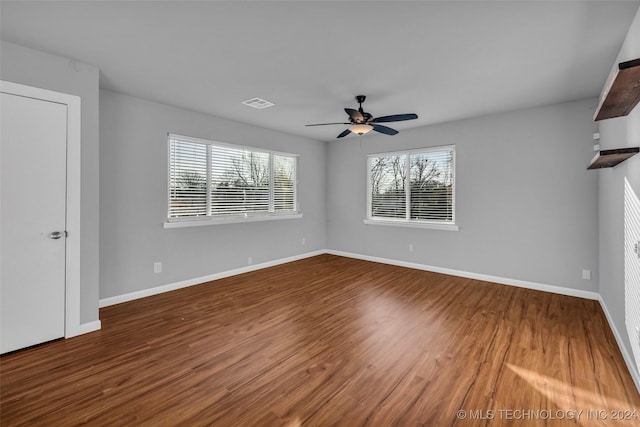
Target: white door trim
(72, 276)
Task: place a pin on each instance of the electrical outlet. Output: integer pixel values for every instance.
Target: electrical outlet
(249, 260)
(304, 241)
(586, 274)
(410, 247)
(157, 267)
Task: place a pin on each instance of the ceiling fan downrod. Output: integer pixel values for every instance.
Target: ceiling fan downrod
(360, 99)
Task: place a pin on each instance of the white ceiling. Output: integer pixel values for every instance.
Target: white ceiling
(442, 60)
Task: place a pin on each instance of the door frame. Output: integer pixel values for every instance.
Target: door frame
(72, 255)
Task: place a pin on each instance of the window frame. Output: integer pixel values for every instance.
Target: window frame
(272, 214)
(407, 221)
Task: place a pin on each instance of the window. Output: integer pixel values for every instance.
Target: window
(413, 188)
(210, 180)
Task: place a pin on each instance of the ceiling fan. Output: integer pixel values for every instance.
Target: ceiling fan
(362, 122)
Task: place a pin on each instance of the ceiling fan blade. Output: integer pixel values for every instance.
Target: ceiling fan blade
(395, 118)
(344, 133)
(355, 115)
(384, 129)
(324, 124)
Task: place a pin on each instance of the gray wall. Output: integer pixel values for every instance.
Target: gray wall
(133, 199)
(526, 206)
(618, 133)
(46, 71)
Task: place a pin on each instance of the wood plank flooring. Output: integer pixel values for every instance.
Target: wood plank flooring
(330, 341)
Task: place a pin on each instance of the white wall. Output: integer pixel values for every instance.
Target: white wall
(133, 199)
(526, 205)
(618, 133)
(43, 70)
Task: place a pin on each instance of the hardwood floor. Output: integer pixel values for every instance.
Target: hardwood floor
(330, 341)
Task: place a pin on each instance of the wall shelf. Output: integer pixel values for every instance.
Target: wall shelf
(610, 158)
(622, 93)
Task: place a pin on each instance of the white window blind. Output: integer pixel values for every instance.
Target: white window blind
(239, 181)
(284, 183)
(388, 192)
(412, 186)
(215, 180)
(188, 176)
(632, 267)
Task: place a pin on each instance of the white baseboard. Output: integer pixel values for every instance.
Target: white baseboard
(635, 375)
(514, 282)
(105, 302)
(626, 354)
(484, 277)
(89, 327)
(84, 328)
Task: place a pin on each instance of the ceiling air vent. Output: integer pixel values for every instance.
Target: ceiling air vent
(258, 103)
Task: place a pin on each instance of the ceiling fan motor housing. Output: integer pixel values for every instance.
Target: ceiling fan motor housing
(366, 116)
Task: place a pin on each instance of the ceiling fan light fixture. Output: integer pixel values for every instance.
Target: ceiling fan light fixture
(360, 129)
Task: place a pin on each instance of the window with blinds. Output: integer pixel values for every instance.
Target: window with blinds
(209, 180)
(412, 186)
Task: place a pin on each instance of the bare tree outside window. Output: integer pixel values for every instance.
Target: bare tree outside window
(428, 194)
(284, 180)
(431, 187)
(211, 180)
(188, 178)
(388, 178)
(242, 182)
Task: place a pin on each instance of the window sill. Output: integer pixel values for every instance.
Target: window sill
(227, 220)
(413, 224)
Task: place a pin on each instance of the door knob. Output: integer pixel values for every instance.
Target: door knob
(57, 234)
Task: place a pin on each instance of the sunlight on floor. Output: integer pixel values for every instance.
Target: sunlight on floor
(294, 422)
(567, 396)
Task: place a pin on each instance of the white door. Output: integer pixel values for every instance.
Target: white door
(33, 142)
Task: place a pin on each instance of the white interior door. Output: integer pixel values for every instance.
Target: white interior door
(33, 142)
